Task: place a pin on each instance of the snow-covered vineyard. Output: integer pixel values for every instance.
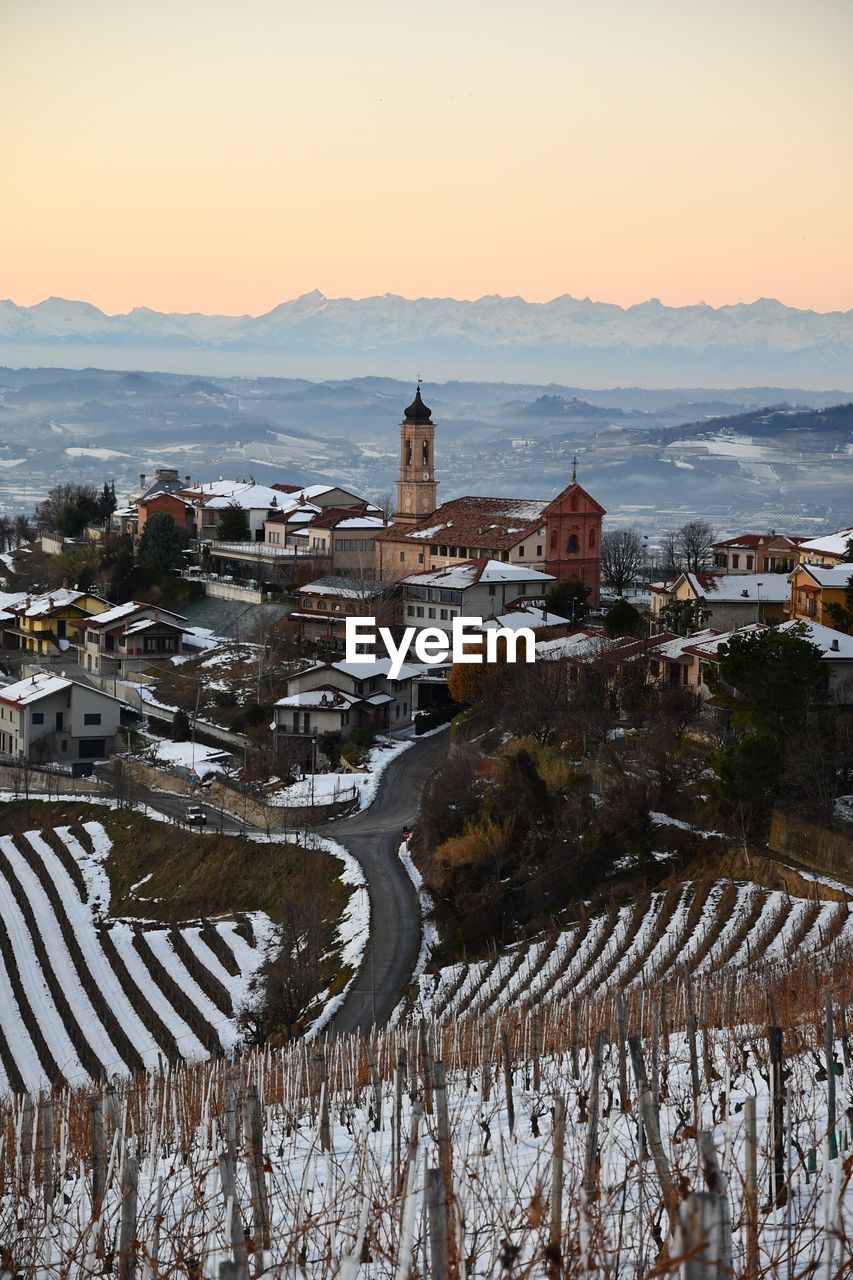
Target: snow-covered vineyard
(586, 1140)
(701, 927)
(82, 999)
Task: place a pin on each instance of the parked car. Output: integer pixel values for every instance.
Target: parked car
(196, 816)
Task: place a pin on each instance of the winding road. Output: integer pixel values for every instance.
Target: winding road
(373, 838)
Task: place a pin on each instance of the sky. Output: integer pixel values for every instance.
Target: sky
(216, 156)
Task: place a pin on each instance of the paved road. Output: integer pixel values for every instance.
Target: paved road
(175, 806)
(373, 837)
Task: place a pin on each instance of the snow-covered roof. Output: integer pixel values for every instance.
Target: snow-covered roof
(837, 577)
(464, 575)
(40, 685)
(709, 645)
(731, 588)
(116, 613)
(343, 587)
(377, 667)
(251, 497)
(675, 648)
(536, 619)
(580, 645)
(833, 644)
(327, 698)
(361, 522)
(828, 544)
(42, 606)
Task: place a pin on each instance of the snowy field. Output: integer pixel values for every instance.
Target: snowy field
(703, 927)
(83, 996)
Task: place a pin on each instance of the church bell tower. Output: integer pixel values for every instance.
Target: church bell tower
(416, 488)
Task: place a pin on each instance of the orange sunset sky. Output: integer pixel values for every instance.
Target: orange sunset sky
(222, 157)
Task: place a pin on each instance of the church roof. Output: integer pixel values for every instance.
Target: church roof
(417, 412)
(493, 524)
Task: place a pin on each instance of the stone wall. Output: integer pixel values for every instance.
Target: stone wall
(821, 849)
(46, 782)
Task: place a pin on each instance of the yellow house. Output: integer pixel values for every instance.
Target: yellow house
(829, 549)
(814, 588)
(48, 624)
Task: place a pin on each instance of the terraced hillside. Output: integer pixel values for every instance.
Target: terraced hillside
(701, 927)
(83, 997)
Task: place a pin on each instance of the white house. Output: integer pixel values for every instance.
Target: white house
(474, 589)
(47, 717)
(339, 697)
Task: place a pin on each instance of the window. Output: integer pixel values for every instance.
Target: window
(749, 562)
(453, 551)
(430, 613)
(443, 615)
(735, 562)
(92, 717)
(522, 590)
(408, 453)
(420, 557)
(420, 611)
(505, 556)
(410, 611)
(491, 590)
(402, 557)
(572, 544)
(321, 604)
(38, 717)
(306, 604)
(433, 550)
(539, 549)
(521, 551)
(426, 454)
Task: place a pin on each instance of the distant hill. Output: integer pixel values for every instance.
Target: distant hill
(567, 340)
(836, 420)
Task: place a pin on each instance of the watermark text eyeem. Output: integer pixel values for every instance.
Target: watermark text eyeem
(432, 646)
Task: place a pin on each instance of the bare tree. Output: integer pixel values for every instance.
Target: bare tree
(694, 542)
(622, 557)
(386, 503)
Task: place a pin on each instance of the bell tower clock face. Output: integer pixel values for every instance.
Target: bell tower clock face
(426, 475)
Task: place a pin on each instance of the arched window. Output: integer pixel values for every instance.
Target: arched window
(408, 453)
(426, 453)
(592, 538)
(572, 546)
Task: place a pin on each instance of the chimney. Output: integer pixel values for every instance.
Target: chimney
(188, 481)
(142, 479)
(835, 647)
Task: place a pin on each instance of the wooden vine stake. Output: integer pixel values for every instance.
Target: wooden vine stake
(127, 1232)
(253, 1136)
(555, 1225)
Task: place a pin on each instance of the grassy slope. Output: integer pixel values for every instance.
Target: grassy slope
(194, 875)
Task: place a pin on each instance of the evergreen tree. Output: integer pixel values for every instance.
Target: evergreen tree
(233, 524)
(160, 545)
(568, 599)
(622, 620)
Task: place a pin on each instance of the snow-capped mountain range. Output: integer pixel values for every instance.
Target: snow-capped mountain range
(490, 336)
